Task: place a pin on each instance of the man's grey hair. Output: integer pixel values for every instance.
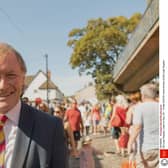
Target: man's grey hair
(6, 49)
(149, 90)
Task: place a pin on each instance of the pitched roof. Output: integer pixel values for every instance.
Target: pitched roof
(28, 80)
(51, 85)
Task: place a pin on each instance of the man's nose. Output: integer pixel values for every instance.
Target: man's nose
(3, 82)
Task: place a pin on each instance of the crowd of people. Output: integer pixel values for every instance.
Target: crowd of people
(34, 138)
(137, 134)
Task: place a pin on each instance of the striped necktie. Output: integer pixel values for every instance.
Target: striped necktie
(3, 119)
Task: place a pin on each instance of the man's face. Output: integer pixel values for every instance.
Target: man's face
(11, 82)
(74, 104)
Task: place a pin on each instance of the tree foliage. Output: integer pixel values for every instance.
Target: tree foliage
(97, 47)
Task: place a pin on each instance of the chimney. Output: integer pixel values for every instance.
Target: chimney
(49, 74)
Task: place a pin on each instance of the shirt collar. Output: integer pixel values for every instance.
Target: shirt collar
(14, 113)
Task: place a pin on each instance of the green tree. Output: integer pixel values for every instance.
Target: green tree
(97, 47)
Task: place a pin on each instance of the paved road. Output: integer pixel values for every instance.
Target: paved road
(103, 143)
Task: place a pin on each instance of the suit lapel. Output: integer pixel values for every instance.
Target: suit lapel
(23, 137)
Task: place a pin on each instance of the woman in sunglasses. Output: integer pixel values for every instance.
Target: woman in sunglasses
(60, 112)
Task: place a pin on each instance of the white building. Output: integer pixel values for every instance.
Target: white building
(88, 93)
(36, 87)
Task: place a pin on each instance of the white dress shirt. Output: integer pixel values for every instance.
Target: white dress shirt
(10, 130)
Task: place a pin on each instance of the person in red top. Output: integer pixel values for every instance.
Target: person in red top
(120, 109)
(95, 114)
(74, 118)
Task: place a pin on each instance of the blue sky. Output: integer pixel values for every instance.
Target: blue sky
(39, 27)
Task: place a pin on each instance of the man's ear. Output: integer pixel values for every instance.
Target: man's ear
(23, 88)
(22, 92)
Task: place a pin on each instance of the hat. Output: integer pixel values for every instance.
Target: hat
(86, 140)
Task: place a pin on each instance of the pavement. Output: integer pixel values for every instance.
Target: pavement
(105, 144)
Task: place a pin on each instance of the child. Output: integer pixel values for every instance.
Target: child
(87, 122)
(104, 124)
(87, 152)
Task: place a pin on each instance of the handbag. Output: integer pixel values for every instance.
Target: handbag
(128, 164)
(116, 121)
(123, 140)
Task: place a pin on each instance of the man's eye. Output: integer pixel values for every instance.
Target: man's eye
(11, 76)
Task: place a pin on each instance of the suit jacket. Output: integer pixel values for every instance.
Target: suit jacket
(40, 141)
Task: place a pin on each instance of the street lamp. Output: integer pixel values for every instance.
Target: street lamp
(47, 89)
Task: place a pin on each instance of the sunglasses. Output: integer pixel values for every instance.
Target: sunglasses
(58, 112)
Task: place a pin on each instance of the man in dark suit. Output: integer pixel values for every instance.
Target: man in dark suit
(33, 138)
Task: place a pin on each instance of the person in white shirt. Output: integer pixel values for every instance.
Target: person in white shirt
(146, 128)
